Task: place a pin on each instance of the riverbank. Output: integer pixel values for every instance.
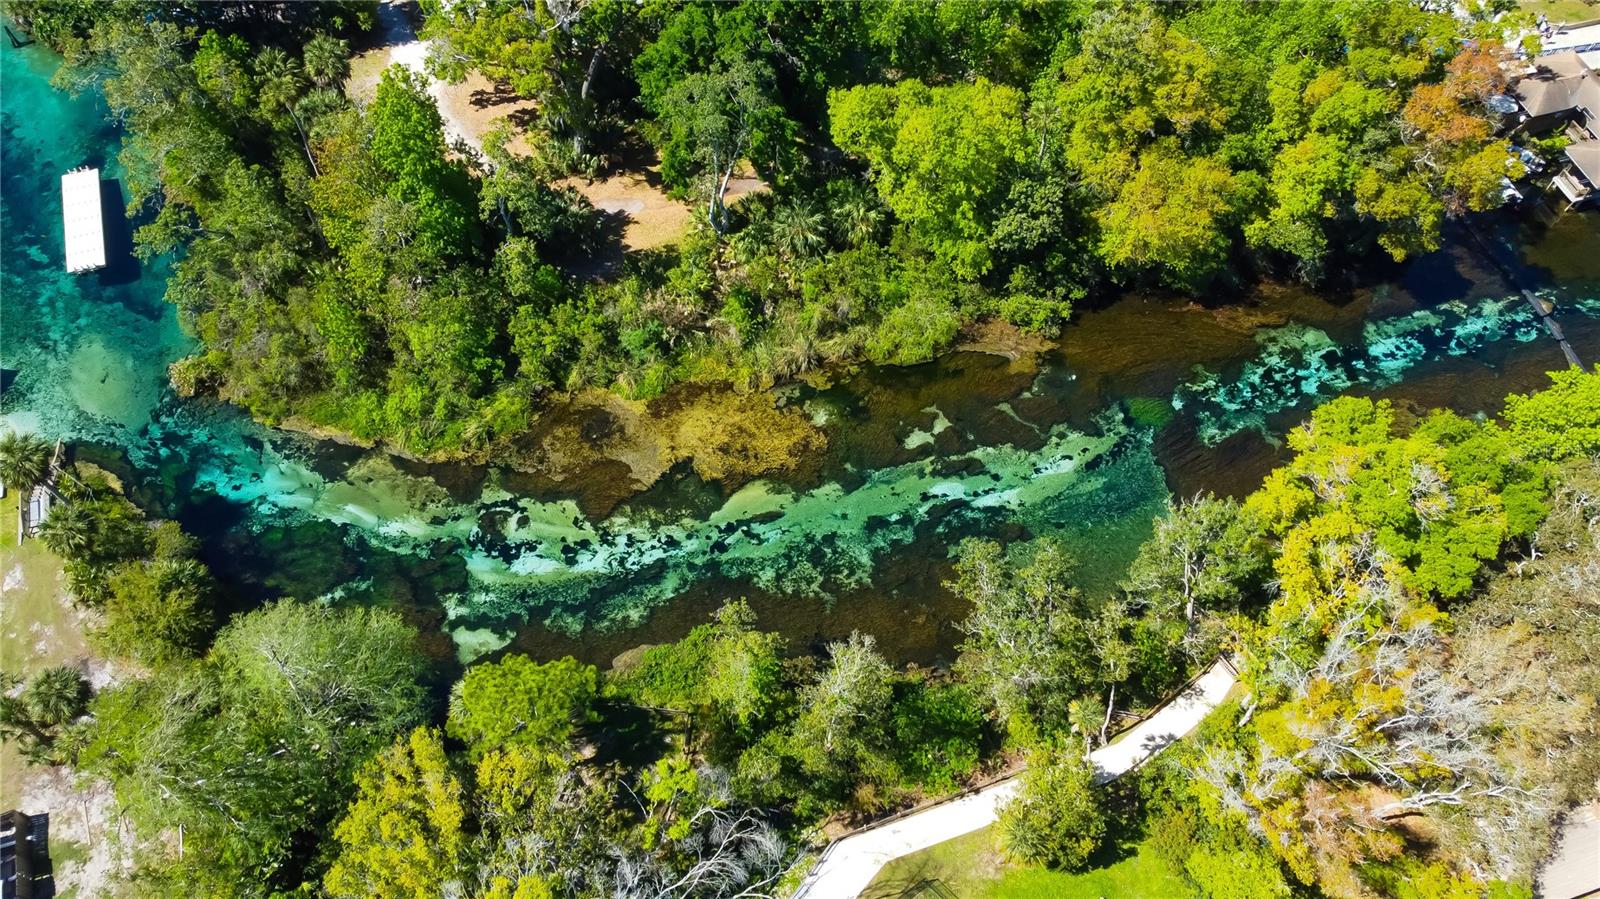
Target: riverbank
(41, 627)
(832, 504)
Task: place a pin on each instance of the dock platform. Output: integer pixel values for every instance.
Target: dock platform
(81, 221)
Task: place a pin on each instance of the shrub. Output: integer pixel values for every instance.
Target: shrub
(937, 729)
(1056, 819)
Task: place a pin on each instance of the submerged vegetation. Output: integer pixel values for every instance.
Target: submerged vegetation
(1411, 599)
(930, 165)
(1410, 596)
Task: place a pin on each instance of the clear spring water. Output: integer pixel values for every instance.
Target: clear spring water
(1075, 450)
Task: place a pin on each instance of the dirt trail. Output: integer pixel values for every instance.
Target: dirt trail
(469, 109)
(474, 106)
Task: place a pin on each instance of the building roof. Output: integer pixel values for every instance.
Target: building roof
(80, 220)
(1558, 83)
(1585, 155)
(1563, 64)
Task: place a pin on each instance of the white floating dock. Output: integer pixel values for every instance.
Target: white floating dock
(80, 220)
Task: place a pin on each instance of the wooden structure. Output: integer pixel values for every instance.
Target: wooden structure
(1554, 327)
(81, 222)
(1561, 90)
(34, 508)
(1543, 310)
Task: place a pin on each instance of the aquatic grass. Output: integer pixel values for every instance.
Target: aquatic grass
(1297, 365)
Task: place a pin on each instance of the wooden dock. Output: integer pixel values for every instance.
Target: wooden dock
(81, 222)
(1544, 310)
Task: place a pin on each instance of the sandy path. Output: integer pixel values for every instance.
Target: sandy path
(469, 109)
(84, 816)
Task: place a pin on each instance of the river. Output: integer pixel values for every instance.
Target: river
(1143, 398)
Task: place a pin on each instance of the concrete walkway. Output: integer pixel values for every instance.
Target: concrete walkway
(1574, 870)
(849, 864)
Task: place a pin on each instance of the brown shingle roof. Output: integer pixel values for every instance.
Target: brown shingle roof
(1560, 82)
(1585, 154)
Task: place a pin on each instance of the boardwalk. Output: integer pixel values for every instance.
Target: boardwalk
(850, 863)
(1573, 871)
(1543, 309)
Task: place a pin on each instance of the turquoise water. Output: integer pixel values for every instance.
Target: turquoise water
(1297, 364)
(89, 352)
(919, 458)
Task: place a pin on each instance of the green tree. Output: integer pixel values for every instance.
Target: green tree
(253, 750)
(941, 157)
(1236, 874)
(840, 738)
(1205, 556)
(517, 701)
(713, 121)
(1561, 421)
(36, 718)
(409, 150)
(518, 192)
(938, 729)
(1434, 500)
(282, 83)
(158, 611)
(327, 60)
(1056, 818)
(799, 231)
(69, 530)
(222, 69)
(1171, 218)
(404, 835)
(744, 678)
(1026, 647)
(24, 458)
(846, 702)
(726, 671)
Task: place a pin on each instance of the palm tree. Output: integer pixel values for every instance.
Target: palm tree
(56, 696)
(798, 230)
(69, 530)
(24, 460)
(282, 82)
(37, 719)
(858, 219)
(327, 60)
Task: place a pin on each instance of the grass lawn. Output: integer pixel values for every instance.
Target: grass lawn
(973, 868)
(37, 627)
(1564, 11)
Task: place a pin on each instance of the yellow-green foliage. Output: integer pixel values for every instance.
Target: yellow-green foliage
(1358, 720)
(403, 836)
(1561, 422)
(1433, 500)
(519, 701)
